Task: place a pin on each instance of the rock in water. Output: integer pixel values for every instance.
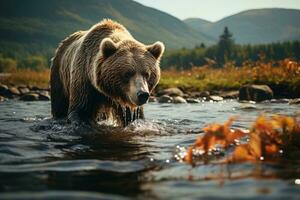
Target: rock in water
(215, 98)
(24, 90)
(294, 101)
(44, 96)
(2, 98)
(255, 93)
(179, 99)
(152, 99)
(192, 100)
(280, 101)
(30, 97)
(14, 91)
(199, 94)
(165, 99)
(230, 94)
(171, 92)
(4, 90)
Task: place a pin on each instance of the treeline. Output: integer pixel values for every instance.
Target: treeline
(16, 57)
(34, 62)
(227, 51)
(21, 56)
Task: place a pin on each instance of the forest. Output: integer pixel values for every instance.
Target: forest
(226, 50)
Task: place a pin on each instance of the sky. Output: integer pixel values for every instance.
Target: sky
(214, 10)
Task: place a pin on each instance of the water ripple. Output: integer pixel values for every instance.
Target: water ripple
(78, 165)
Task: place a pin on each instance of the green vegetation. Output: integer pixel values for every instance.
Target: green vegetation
(31, 30)
(7, 64)
(33, 62)
(282, 76)
(226, 66)
(34, 27)
(27, 77)
(227, 51)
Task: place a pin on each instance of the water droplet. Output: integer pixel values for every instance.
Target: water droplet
(167, 161)
(261, 158)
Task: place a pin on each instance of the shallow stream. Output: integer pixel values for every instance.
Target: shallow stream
(45, 159)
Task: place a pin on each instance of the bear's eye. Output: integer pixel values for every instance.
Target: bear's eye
(146, 75)
(128, 74)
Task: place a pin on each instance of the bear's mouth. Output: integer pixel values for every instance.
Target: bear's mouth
(130, 115)
(126, 102)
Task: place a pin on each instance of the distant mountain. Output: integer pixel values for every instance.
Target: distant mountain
(37, 26)
(197, 23)
(255, 26)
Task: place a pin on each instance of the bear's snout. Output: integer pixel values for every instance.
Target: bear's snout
(142, 97)
(138, 90)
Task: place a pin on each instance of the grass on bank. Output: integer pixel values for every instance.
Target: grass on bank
(27, 77)
(231, 77)
(286, 73)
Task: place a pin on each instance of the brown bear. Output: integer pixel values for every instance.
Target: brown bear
(103, 73)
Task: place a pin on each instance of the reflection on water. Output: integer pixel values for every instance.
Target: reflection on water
(42, 158)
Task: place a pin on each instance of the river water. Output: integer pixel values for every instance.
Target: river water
(45, 159)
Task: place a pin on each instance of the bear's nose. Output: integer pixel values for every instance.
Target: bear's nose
(142, 97)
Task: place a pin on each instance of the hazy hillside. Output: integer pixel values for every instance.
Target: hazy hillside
(197, 23)
(255, 26)
(37, 26)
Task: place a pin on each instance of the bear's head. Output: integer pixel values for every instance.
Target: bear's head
(128, 71)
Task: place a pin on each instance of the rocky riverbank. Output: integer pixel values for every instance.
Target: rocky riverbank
(255, 93)
(24, 93)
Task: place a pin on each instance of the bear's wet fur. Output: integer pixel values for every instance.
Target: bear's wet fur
(92, 73)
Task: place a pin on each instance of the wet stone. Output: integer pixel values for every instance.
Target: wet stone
(24, 90)
(204, 94)
(171, 92)
(230, 95)
(215, 98)
(2, 98)
(255, 93)
(4, 90)
(30, 97)
(294, 101)
(14, 91)
(34, 88)
(43, 96)
(165, 99)
(280, 101)
(152, 99)
(179, 99)
(248, 107)
(192, 100)
(244, 101)
(199, 94)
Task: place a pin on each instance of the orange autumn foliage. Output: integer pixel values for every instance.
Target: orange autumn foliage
(268, 139)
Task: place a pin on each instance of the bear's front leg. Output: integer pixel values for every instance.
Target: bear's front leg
(79, 112)
(73, 118)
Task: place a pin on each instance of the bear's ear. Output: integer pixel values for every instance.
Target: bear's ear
(108, 47)
(156, 49)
